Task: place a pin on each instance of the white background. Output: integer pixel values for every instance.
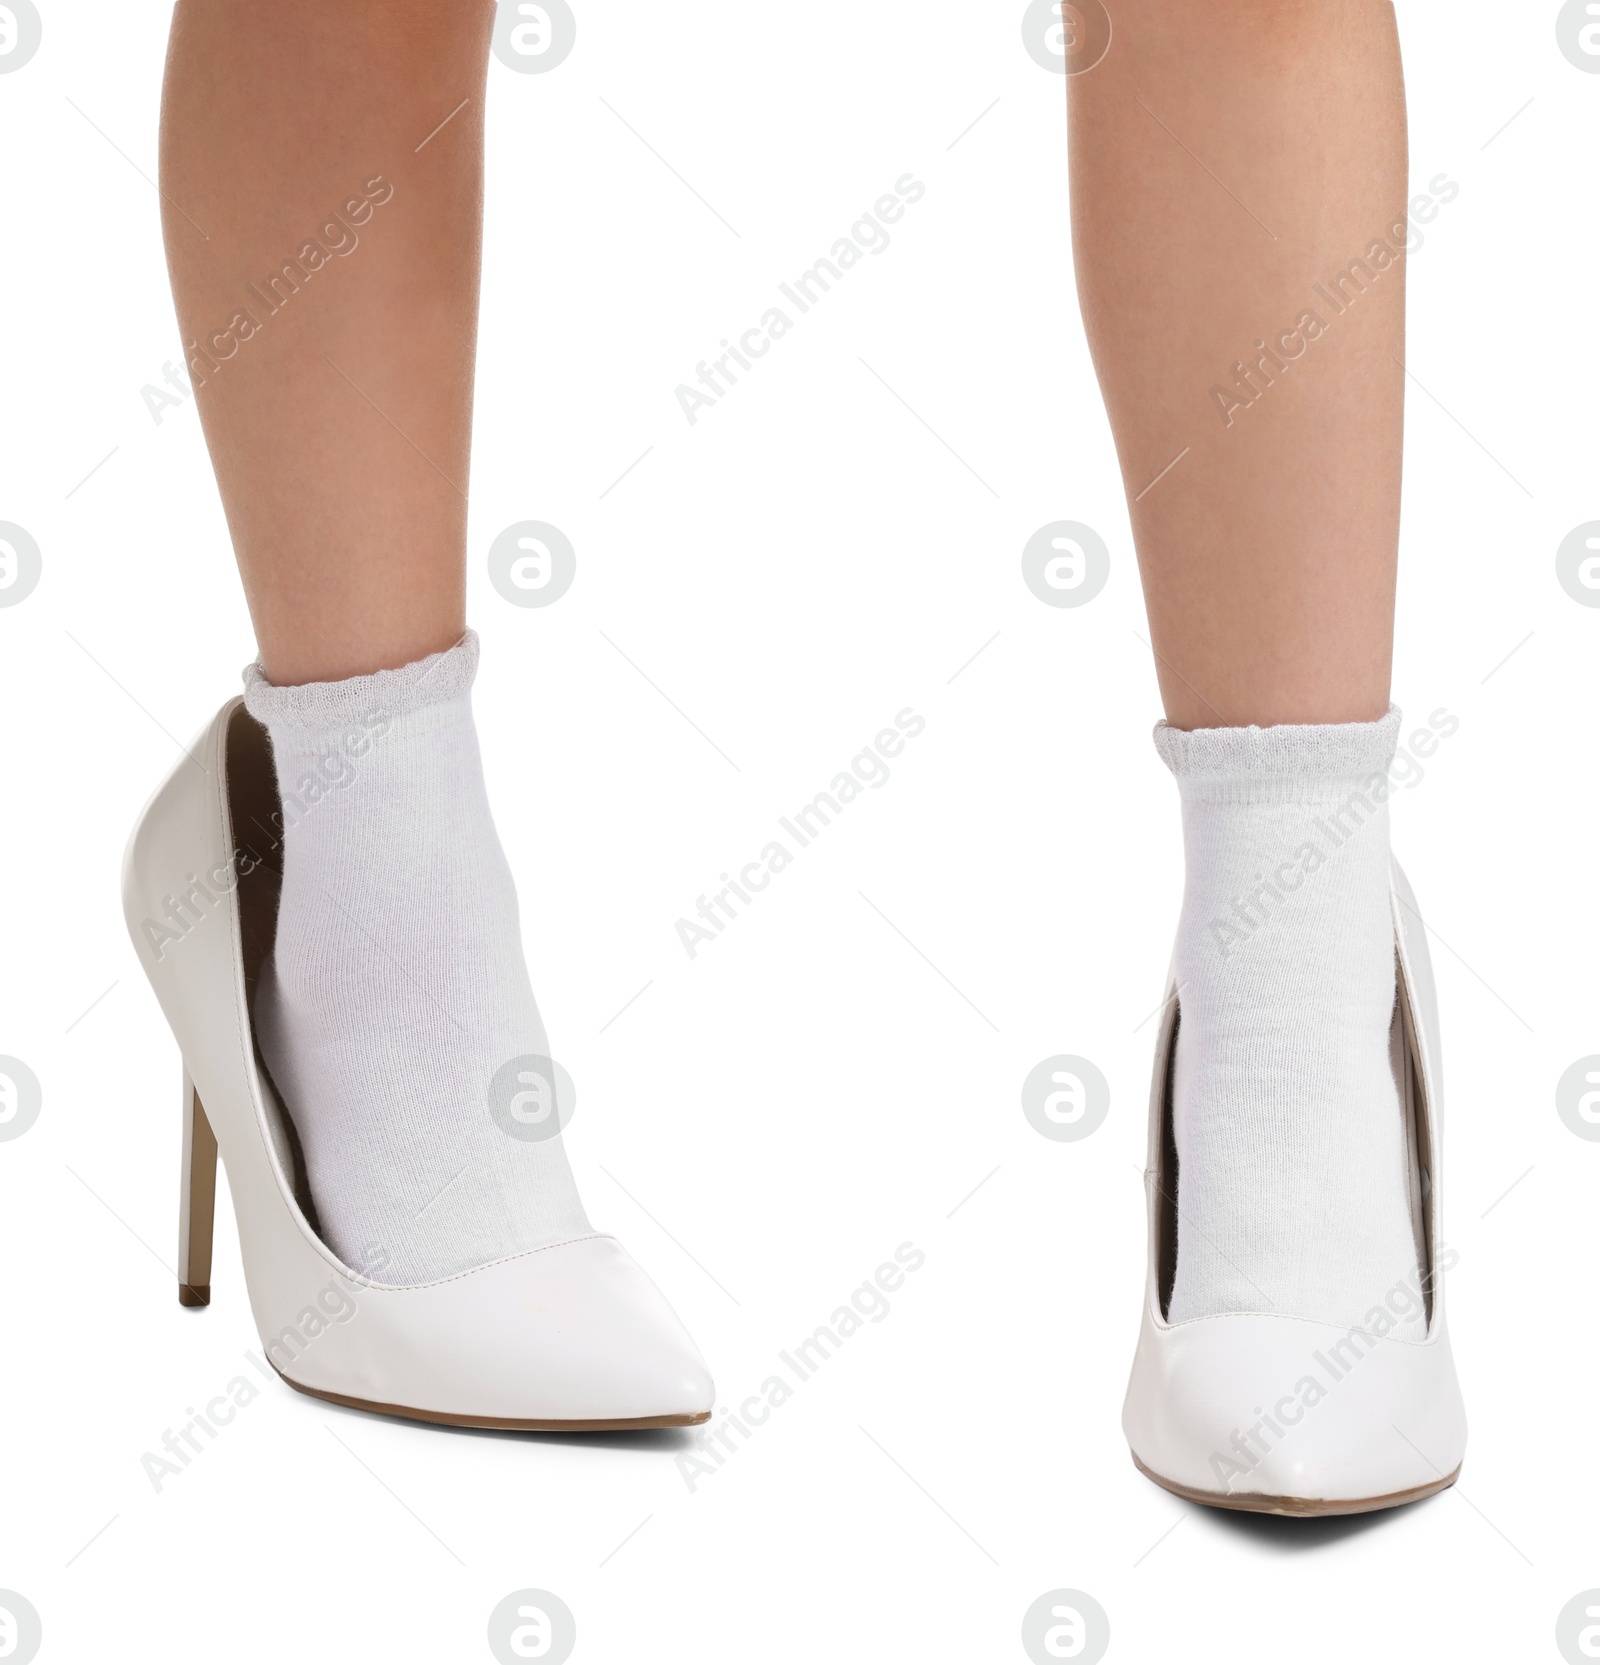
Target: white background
(809, 1092)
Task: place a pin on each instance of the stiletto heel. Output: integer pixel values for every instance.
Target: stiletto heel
(197, 1201)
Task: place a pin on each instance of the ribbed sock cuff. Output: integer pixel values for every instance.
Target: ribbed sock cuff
(326, 705)
(1287, 763)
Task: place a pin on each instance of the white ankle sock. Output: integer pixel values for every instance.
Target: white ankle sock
(1293, 1185)
(397, 987)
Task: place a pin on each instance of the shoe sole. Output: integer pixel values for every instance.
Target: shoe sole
(546, 1425)
(1259, 1503)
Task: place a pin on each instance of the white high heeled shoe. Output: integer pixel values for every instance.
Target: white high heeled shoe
(571, 1336)
(1283, 1415)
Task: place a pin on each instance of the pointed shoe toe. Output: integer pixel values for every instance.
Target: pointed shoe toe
(1255, 1411)
(573, 1335)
